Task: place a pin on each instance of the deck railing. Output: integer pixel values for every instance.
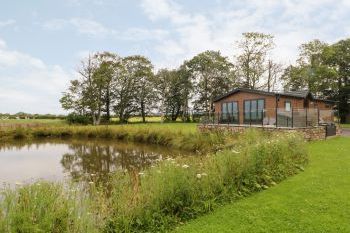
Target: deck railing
(280, 117)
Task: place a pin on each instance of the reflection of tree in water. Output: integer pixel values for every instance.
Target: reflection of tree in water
(95, 161)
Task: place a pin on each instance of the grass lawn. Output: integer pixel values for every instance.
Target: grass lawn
(317, 200)
(345, 125)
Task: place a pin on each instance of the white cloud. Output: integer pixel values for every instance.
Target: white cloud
(7, 23)
(95, 29)
(291, 22)
(28, 84)
(83, 26)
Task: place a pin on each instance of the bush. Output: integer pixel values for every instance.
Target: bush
(74, 118)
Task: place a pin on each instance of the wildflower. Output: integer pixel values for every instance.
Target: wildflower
(141, 173)
(185, 166)
(199, 176)
(236, 152)
(91, 182)
(18, 183)
(204, 174)
(92, 174)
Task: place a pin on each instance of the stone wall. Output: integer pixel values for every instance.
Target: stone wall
(310, 133)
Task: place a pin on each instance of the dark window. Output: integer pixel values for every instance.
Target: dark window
(229, 113)
(254, 111)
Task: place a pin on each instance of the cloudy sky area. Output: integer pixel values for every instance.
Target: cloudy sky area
(41, 42)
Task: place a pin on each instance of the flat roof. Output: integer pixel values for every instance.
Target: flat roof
(296, 94)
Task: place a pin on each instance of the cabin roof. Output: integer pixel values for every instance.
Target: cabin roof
(296, 94)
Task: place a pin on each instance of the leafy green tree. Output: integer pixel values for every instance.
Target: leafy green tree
(251, 63)
(87, 95)
(124, 88)
(337, 56)
(311, 72)
(144, 95)
(211, 75)
(173, 89)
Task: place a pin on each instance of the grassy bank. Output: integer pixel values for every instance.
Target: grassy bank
(315, 201)
(159, 198)
(175, 135)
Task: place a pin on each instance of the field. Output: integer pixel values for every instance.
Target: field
(316, 200)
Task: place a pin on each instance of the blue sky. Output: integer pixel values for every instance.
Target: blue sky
(42, 42)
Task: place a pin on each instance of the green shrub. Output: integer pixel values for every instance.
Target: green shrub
(74, 118)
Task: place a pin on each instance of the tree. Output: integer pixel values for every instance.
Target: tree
(173, 89)
(251, 62)
(89, 93)
(338, 57)
(311, 72)
(273, 72)
(124, 88)
(212, 75)
(144, 96)
(107, 64)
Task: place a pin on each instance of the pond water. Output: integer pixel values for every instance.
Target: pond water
(80, 160)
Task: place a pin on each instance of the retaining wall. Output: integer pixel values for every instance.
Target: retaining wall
(310, 133)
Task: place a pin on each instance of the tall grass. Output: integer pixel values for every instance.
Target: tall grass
(162, 196)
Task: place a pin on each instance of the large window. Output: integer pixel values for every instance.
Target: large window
(229, 113)
(254, 111)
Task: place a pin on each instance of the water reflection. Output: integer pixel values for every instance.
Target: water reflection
(80, 160)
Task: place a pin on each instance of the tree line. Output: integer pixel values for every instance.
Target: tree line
(109, 84)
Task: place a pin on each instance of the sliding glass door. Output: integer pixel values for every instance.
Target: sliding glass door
(229, 113)
(254, 111)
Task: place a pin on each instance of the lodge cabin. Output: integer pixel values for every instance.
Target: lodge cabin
(285, 109)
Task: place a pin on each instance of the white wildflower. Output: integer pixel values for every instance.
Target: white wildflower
(236, 152)
(199, 176)
(185, 166)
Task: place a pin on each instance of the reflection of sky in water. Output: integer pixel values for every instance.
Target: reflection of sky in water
(32, 162)
(57, 159)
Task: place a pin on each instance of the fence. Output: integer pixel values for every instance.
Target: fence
(280, 117)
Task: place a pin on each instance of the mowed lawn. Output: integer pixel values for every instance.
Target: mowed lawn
(316, 200)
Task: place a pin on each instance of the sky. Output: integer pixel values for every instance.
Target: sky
(42, 42)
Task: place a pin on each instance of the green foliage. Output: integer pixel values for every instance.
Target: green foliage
(74, 118)
(212, 75)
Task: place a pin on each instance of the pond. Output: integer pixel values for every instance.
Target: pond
(79, 160)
